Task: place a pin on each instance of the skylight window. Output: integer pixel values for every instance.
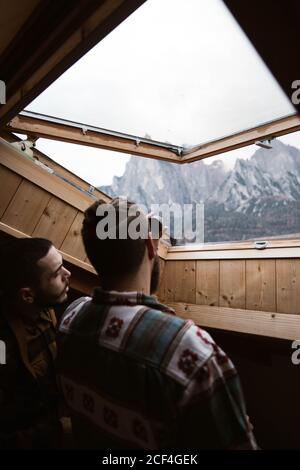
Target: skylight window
(178, 72)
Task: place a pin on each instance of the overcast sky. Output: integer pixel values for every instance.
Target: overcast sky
(179, 71)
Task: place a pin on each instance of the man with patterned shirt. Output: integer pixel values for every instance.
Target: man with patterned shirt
(32, 280)
(133, 373)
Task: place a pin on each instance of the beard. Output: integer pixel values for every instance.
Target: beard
(46, 300)
(155, 276)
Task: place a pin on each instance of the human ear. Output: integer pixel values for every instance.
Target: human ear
(150, 246)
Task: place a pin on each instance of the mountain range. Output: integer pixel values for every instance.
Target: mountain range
(258, 198)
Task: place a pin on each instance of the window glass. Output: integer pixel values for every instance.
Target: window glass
(175, 71)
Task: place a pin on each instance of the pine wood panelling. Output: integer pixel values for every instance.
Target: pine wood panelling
(232, 284)
(179, 281)
(275, 325)
(9, 183)
(14, 160)
(161, 275)
(207, 282)
(168, 283)
(260, 285)
(6, 229)
(55, 221)
(73, 244)
(161, 291)
(288, 286)
(26, 207)
(269, 253)
(245, 245)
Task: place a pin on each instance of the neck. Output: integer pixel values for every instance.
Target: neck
(138, 282)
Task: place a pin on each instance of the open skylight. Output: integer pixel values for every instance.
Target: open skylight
(174, 71)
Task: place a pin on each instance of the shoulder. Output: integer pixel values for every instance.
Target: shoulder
(71, 313)
(177, 347)
(189, 351)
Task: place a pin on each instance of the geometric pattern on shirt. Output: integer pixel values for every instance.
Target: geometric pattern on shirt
(147, 340)
(116, 420)
(71, 313)
(189, 356)
(117, 325)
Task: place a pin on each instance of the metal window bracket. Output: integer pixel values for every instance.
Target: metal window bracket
(261, 245)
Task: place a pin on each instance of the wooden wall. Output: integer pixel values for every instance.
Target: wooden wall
(30, 209)
(27, 209)
(271, 285)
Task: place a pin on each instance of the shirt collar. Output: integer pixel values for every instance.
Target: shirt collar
(104, 297)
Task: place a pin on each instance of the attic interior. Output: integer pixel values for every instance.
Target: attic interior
(247, 298)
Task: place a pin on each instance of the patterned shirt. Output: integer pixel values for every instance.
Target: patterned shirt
(137, 376)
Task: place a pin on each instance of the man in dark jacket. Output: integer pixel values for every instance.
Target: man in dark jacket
(32, 280)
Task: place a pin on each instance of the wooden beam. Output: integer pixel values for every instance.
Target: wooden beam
(243, 245)
(16, 161)
(274, 325)
(65, 32)
(242, 139)
(253, 253)
(59, 169)
(69, 133)
(48, 129)
(70, 259)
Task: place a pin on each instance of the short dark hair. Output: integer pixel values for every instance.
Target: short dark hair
(113, 258)
(18, 265)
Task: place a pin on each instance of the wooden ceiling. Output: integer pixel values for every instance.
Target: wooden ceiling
(14, 15)
(39, 40)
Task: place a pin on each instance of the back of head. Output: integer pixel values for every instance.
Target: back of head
(112, 244)
(18, 268)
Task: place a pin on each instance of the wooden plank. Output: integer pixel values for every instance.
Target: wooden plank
(26, 207)
(180, 281)
(207, 282)
(10, 182)
(15, 160)
(185, 272)
(161, 288)
(59, 169)
(260, 285)
(67, 131)
(276, 128)
(73, 244)
(55, 221)
(274, 325)
(292, 252)
(288, 286)
(70, 259)
(232, 284)
(244, 245)
(168, 283)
